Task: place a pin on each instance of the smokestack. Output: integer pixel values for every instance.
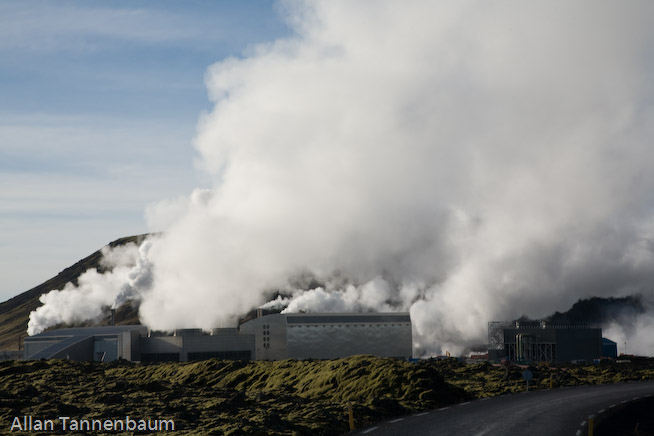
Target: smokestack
(259, 313)
(113, 317)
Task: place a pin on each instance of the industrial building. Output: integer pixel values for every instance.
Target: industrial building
(538, 341)
(330, 335)
(101, 344)
(270, 337)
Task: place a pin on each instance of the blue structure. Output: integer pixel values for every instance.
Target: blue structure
(609, 348)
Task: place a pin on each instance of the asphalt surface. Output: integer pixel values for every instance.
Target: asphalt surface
(556, 412)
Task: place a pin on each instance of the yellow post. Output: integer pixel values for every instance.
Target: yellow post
(590, 426)
(350, 412)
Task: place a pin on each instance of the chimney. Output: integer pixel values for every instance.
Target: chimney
(259, 313)
(113, 317)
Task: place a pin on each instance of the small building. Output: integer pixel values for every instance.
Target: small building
(609, 349)
(102, 344)
(538, 341)
(330, 335)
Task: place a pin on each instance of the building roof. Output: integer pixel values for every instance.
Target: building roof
(89, 331)
(333, 318)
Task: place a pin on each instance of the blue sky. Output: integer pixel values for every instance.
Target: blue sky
(99, 103)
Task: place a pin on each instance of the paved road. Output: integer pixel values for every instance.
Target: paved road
(557, 412)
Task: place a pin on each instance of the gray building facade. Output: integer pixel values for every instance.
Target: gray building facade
(270, 337)
(101, 344)
(193, 344)
(330, 335)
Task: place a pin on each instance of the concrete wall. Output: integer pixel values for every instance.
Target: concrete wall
(224, 344)
(330, 336)
(269, 336)
(152, 348)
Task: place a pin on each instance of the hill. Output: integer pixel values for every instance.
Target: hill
(600, 311)
(15, 312)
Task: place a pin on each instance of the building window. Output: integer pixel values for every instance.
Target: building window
(160, 357)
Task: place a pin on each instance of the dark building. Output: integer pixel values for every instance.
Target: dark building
(537, 341)
(609, 348)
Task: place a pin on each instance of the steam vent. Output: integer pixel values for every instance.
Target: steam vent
(269, 337)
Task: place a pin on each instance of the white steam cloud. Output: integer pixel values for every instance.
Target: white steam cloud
(464, 161)
(130, 275)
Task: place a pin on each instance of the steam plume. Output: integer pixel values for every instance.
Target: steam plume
(130, 275)
(465, 162)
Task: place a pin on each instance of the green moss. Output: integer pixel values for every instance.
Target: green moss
(273, 398)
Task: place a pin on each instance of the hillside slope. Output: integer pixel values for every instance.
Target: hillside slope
(15, 312)
(597, 310)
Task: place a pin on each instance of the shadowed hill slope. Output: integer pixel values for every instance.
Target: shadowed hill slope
(597, 310)
(15, 312)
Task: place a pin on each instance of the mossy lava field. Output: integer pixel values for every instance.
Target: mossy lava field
(289, 397)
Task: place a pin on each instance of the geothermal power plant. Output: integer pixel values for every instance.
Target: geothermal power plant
(266, 337)
(311, 336)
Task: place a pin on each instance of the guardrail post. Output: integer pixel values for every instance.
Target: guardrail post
(350, 413)
(591, 426)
